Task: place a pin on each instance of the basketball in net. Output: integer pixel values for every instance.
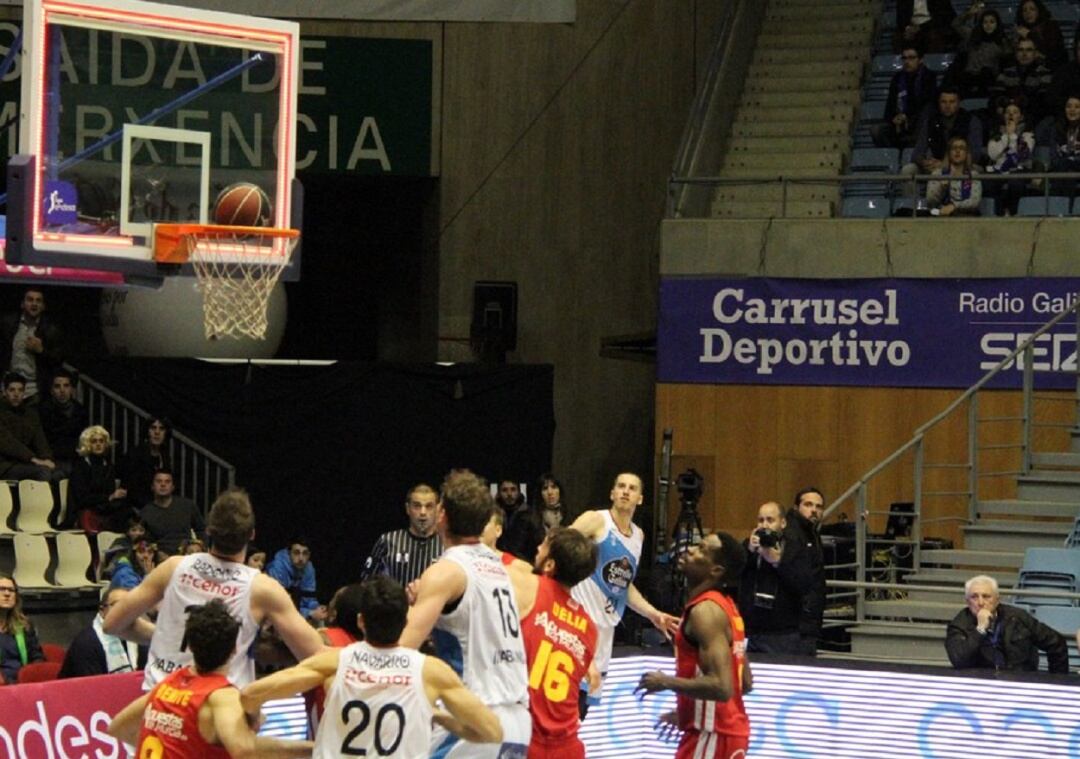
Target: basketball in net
(243, 205)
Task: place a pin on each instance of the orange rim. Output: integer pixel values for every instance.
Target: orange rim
(169, 239)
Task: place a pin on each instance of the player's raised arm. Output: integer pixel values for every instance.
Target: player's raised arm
(662, 621)
(125, 725)
(442, 582)
(468, 718)
(709, 626)
(590, 524)
(308, 674)
(124, 618)
(273, 600)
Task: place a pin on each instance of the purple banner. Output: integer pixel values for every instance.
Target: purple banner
(871, 332)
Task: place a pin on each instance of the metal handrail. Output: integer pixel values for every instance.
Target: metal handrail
(199, 473)
(859, 489)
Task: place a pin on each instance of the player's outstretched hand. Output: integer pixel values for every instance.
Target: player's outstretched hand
(667, 727)
(665, 623)
(651, 682)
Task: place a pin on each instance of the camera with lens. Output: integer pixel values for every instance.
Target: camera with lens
(690, 485)
(768, 538)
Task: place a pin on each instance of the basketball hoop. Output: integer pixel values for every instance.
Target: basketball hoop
(237, 268)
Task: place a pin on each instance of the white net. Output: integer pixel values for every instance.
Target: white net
(236, 276)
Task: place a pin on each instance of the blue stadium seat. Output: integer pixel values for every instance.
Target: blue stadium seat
(1064, 619)
(872, 110)
(1073, 541)
(974, 104)
(1043, 155)
(865, 208)
(887, 64)
(1053, 569)
(883, 160)
(905, 155)
(904, 204)
(1054, 205)
(938, 62)
(1064, 13)
(988, 207)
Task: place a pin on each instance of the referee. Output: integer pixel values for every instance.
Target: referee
(405, 554)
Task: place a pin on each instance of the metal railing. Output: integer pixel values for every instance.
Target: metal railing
(1025, 353)
(897, 187)
(199, 474)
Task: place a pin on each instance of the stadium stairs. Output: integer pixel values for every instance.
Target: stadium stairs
(798, 104)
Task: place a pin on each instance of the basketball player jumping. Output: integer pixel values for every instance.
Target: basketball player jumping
(380, 697)
(184, 581)
(711, 670)
(468, 599)
(607, 592)
(195, 713)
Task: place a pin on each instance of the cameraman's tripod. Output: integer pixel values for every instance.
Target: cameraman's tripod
(687, 532)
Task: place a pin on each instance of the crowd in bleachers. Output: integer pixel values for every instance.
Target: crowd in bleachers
(998, 76)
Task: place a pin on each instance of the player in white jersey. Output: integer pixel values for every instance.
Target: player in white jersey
(610, 589)
(185, 581)
(380, 696)
(468, 600)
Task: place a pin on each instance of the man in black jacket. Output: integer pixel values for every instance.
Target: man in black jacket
(912, 91)
(991, 635)
(772, 586)
(803, 521)
(30, 343)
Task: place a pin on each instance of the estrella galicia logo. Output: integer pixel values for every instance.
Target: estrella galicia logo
(61, 203)
(618, 573)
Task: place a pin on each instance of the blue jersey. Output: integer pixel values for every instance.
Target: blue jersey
(604, 592)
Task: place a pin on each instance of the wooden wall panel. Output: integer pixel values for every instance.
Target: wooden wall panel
(772, 441)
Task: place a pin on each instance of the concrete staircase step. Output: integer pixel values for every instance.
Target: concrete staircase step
(1055, 460)
(1033, 509)
(807, 144)
(912, 611)
(774, 192)
(792, 131)
(914, 643)
(1049, 485)
(807, 116)
(823, 10)
(777, 100)
(863, 26)
(800, 70)
(808, 84)
(822, 55)
(846, 3)
(789, 39)
(773, 175)
(784, 163)
(763, 209)
(1014, 535)
(957, 557)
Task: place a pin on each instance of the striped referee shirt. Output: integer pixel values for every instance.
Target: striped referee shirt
(402, 555)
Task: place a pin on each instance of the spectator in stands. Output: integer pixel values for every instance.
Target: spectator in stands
(984, 46)
(1066, 79)
(771, 590)
(937, 128)
(292, 568)
(927, 23)
(532, 522)
(92, 491)
(803, 521)
(189, 546)
(134, 565)
(509, 497)
(1066, 145)
(256, 557)
(134, 531)
(151, 455)
(63, 418)
(1027, 82)
(1011, 147)
(30, 343)
(1034, 22)
(18, 640)
(959, 194)
(24, 451)
(95, 652)
(405, 554)
(991, 635)
(171, 518)
(912, 91)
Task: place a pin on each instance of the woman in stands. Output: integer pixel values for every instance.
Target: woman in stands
(152, 455)
(1034, 22)
(1010, 148)
(532, 522)
(92, 489)
(982, 49)
(1066, 155)
(957, 193)
(18, 641)
(134, 565)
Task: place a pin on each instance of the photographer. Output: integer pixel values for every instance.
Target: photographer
(771, 589)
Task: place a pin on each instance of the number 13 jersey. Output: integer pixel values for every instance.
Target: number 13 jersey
(376, 705)
(480, 637)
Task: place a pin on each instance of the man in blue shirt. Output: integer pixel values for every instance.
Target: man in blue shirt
(292, 568)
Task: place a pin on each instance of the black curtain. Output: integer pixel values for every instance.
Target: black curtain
(328, 452)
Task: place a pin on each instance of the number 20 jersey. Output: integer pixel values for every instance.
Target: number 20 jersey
(480, 638)
(376, 705)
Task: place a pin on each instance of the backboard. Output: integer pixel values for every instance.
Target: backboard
(135, 113)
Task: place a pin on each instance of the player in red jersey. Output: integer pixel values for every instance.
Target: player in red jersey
(560, 640)
(195, 713)
(711, 670)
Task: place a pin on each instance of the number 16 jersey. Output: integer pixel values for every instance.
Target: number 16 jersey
(376, 705)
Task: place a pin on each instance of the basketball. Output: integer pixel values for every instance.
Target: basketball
(242, 205)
